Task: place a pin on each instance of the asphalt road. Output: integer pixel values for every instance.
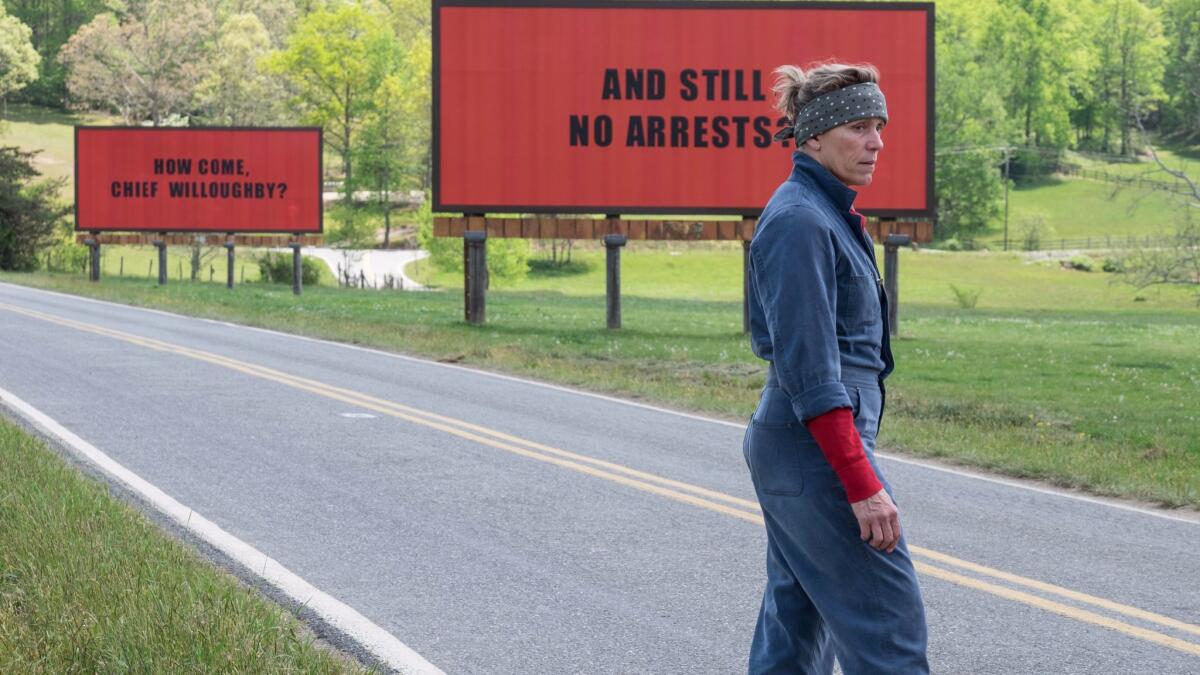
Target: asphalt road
(501, 526)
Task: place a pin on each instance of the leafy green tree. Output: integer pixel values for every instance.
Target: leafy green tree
(275, 16)
(336, 59)
(380, 152)
(972, 122)
(1039, 44)
(236, 91)
(1181, 112)
(29, 210)
(18, 59)
(395, 149)
(52, 22)
(1131, 59)
(144, 64)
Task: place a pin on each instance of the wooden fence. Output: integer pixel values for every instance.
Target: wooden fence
(552, 227)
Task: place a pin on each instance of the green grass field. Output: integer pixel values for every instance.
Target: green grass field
(1060, 375)
(52, 133)
(88, 585)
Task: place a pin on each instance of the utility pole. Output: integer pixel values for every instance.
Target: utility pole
(1007, 155)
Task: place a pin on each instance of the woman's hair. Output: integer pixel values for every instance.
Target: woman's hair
(794, 87)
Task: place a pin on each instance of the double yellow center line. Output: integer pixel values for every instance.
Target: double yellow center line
(680, 491)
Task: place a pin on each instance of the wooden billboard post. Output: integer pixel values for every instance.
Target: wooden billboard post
(297, 266)
(612, 259)
(93, 245)
(475, 269)
(229, 257)
(891, 277)
(161, 245)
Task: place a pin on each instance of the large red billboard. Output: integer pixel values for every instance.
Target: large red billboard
(659, 107)
(136, 179)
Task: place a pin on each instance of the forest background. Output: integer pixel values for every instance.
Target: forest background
(1017, 80)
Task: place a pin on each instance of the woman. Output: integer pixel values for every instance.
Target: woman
(839, 577)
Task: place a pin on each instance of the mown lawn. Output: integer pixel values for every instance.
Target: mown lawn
(88, 585)
(1060, 375)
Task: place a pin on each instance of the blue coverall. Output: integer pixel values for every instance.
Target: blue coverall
(818, 314)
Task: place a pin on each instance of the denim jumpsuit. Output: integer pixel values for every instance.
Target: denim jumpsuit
(818, 315)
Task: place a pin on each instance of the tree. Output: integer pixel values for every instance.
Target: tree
(1131, 58)
(1181, 26)
(380, 152)
(236, 91)
(394, 151)
(1177, 262)
(1038, 41)
(52, 22)
(972, 123)
(18, 60)
(336, 59)
(29, 210)
(145, 64)
(275, 16)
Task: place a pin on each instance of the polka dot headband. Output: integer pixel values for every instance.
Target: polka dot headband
(835, 108)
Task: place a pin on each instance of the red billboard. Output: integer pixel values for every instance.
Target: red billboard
(659, 107)
(136, 179)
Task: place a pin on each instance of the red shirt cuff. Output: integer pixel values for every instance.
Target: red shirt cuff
(840, 443)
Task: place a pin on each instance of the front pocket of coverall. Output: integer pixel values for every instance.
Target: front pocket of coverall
(856, 303)
(773, 453)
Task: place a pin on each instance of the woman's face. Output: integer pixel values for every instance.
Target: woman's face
(849, 151)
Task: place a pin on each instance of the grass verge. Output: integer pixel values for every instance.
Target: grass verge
(1056, 375)
(89, 585)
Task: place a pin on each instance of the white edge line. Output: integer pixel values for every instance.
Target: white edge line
(378, 641)
(612, 399)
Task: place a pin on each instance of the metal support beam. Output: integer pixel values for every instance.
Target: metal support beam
(475, 282)
(891, 277)
(613, 244)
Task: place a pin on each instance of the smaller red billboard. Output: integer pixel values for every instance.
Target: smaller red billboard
(137, 179)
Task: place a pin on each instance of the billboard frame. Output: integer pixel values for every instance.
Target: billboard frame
(930, 107)
(126, 127)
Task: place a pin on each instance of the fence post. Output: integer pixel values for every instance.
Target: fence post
(613, 244)
(475, 269)
(891, 276)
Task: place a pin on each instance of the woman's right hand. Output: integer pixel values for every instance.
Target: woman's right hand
(878, 521)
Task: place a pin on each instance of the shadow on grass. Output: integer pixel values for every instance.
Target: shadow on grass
(1033, 182)
(28, 114)
(547, 269)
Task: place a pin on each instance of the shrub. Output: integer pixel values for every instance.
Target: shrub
(276, 268)
(29, 211)
(951, 244)
(66, 256)
(507, 259)
(966, 298)
(1115, 265)
(1081, 263)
